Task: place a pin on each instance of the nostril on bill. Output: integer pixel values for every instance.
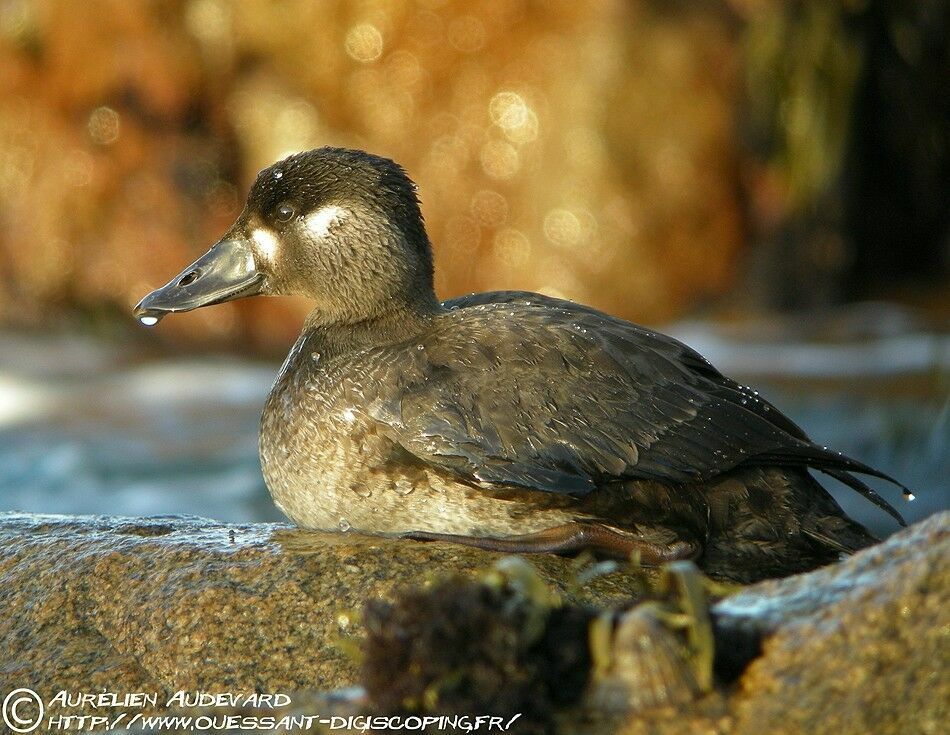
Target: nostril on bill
(189, 277)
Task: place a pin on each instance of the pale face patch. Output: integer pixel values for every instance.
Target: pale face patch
(265, 244)
(318, 223)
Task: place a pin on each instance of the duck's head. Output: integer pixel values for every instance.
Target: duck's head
(341, 227)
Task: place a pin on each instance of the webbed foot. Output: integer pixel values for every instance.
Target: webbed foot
(571, 538)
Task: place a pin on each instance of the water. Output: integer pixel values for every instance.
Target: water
(85, 429)
(88, 427)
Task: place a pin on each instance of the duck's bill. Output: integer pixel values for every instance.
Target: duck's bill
(224, 273)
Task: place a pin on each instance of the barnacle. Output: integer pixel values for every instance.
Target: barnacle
(659, 652)
(638, 663)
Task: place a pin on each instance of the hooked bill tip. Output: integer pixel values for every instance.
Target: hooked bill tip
(147, 316)
(908, 495)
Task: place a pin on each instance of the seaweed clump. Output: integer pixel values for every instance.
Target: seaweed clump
(502, 646)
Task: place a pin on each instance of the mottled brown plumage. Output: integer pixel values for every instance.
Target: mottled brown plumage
(507, 420)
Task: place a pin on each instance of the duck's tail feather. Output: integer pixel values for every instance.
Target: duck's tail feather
(868, 492)
(839, 466)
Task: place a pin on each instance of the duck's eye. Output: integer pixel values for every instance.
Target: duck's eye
(284, 212)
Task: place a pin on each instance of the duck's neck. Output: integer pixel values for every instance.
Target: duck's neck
(397, 323)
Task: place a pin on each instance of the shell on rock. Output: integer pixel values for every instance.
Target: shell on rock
(638, 663)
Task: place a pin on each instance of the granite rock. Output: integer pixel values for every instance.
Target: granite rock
(172, 603)
(168, 604)
(853, 648)
(857, 647)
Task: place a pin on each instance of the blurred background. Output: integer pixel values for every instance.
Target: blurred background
(767, 180)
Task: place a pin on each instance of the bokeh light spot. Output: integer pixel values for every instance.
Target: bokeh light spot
(208, 20)
(467, 34)
(512, 247)
(508, 110)
(364, 43)
(562, 227)
(526, 132)
(404, 68)
(103, 125)
(489, 208)
(500, 159)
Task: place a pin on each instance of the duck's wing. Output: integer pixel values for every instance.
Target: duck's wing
(518, 389)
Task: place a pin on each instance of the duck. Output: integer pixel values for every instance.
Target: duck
(510, 421)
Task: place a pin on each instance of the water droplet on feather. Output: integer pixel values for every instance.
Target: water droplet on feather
(361, 491)
(403, 487)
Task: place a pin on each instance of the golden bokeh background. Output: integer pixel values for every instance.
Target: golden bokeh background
(650, 158)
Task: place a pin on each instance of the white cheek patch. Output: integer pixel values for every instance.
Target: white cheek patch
(266, 242)
(318, 223)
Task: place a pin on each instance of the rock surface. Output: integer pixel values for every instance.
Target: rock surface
(168, 604)
(854, 648)
(858, 647)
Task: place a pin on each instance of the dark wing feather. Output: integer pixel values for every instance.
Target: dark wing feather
(523, 390)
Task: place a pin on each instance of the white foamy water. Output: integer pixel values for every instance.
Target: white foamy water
(888, 356)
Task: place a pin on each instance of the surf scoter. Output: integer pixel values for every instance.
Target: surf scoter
(510, 421)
